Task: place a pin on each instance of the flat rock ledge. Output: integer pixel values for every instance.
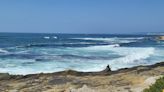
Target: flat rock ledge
(133, 79)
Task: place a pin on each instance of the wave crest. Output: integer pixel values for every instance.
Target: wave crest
(114, 39)
(135, 55)
(3, 51)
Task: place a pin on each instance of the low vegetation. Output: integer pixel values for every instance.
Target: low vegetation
(157, 87)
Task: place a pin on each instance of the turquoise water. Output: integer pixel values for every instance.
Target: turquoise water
(35, 53)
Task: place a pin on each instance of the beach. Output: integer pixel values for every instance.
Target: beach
(133, 79)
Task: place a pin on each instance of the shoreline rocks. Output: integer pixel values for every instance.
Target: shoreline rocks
(121, 80)
(161, 38)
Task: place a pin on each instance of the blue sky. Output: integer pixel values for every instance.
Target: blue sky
(82, 16)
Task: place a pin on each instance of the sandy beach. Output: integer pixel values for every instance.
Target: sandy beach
(123, 80)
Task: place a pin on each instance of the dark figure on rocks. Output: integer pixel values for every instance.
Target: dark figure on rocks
(108, 69)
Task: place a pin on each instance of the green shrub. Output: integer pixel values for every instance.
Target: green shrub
(157, 87)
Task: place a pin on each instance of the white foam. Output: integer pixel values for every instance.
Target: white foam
(3, 51)
(133, 38)
(55, 37)
(130, 55)
(114, 39)
(102, 47)
(46, 37)
(133, 55)
(111, 38)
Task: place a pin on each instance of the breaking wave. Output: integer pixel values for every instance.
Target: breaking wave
(126, 57)
(46, 37)
(101, 47)
(114, 39)
(133, 55)
(130, 55)
(3, 51)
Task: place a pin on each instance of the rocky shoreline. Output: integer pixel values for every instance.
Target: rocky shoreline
(133, 79)
(161, 38)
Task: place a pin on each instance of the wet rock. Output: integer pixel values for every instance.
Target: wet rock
(160, 38)
(4, 76)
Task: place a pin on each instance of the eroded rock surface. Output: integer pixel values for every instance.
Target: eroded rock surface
(124, 80)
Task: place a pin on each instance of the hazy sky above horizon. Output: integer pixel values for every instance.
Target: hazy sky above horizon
(82, 16)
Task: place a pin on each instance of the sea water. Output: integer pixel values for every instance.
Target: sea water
(30, 53)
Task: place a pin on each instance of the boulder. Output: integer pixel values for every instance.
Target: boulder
(160, 38)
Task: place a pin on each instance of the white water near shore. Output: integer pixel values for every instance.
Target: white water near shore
(52, 53)
(128, 57)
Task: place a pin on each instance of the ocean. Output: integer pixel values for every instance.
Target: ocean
(30, 53)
